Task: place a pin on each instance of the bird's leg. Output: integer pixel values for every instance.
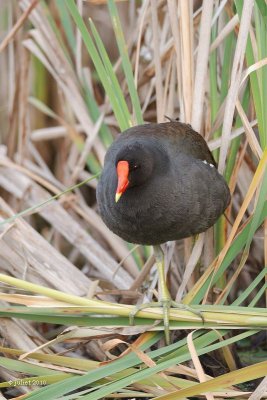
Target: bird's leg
(165, 300)
(164, 295)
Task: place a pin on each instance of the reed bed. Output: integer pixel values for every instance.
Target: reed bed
(74, 74)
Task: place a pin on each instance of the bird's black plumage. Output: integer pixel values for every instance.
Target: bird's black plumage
(175, 190)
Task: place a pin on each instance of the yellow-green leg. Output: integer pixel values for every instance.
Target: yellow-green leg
(165, 300)
(164, 295)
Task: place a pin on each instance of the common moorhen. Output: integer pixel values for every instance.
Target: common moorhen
(160, 183)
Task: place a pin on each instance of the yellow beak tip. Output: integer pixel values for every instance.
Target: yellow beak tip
(117, 197)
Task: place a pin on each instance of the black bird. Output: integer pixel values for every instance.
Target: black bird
(160, 183)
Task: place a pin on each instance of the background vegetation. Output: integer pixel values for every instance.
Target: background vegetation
(73, 75)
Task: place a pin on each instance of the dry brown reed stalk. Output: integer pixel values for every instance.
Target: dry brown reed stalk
(201, 65)
(157, 61)
(186, 59)
(18, 25)
(235, 80)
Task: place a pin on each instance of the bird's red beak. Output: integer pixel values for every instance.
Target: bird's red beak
(123, 181)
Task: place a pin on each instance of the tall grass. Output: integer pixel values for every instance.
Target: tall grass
(208, 65)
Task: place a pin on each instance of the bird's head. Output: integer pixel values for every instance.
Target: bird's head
(134, 165)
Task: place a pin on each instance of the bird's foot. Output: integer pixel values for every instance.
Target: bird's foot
(165, 304)
(182, 306)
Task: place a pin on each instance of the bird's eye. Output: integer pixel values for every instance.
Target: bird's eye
(135, 166)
